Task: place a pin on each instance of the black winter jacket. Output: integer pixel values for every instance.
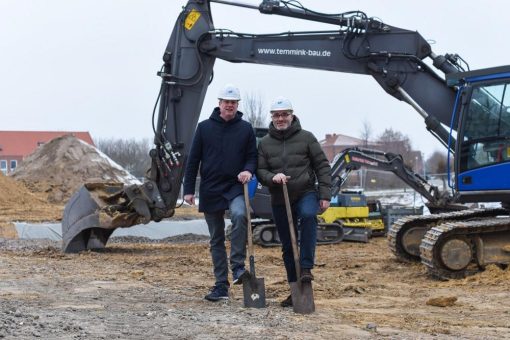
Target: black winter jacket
(222, 149)
(296, 153)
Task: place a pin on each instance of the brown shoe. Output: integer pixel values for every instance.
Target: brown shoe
(306, 275)
(287, 302)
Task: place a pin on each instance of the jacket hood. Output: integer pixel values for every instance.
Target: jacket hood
(215, 115)
(294, 127)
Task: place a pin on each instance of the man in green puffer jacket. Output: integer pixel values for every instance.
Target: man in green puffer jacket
(291, 155)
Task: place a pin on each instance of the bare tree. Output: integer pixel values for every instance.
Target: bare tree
(437, 163)
(396, 142)
(131, 154)
(366, 132)
(253, 109)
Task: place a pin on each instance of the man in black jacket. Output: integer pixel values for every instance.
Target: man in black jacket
(291, 155)
(224, 149)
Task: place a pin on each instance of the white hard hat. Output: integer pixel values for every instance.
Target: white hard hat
(229, 92)
(281, 104)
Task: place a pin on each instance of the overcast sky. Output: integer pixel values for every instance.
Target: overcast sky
(90, 65)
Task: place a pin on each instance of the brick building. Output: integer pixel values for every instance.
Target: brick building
(334, 143)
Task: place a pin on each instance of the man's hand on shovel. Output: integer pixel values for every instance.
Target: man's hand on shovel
(244, 176)
(280, 178)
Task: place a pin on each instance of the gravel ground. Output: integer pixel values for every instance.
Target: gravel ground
(184, 238)
(138, 288)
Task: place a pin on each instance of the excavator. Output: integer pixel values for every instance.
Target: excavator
(359, 226)
(355, 158)
(468, 111)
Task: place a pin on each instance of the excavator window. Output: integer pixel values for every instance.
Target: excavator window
(486, 127)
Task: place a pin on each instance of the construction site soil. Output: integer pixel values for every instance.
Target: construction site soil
(140, 288)
(136, 290)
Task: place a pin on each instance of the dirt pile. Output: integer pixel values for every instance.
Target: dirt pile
(17, 203)
(12, 191)
(60, 167)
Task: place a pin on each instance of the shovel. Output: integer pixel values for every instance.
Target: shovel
(301, 292)
(253, 288)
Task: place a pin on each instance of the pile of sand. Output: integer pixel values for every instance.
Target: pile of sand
(13, 193)
(17, 203)
(60, 167)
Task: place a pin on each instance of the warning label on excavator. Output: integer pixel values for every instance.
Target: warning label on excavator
(365, 161)
(191, 19)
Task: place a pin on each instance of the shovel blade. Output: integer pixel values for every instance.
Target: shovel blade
(254, 293)
(302, 297)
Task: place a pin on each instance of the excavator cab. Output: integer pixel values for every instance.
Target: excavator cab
(483, 147)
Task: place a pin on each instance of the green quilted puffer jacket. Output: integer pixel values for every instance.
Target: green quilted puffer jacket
(296, 153)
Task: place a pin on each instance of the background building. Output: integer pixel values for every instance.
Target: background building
(335, 143)
(369, 178)
(16, 145)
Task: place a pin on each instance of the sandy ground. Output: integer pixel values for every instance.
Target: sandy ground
(156, 290)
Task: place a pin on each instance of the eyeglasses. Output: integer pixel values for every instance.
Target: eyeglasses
(277, 115)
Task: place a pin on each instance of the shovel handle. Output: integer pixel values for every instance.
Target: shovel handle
(293, 238)
(248, 218)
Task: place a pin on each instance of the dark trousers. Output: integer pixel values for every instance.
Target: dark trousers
(216, 224)
(304, 215)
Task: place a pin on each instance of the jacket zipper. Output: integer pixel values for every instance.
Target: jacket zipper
(284, 156)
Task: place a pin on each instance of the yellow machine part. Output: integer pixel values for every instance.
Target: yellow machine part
(376, 224)
(354, 217)
(336, 213)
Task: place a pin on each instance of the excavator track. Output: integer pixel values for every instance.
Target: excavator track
(266, 235)
(406, 234)
(449, 249)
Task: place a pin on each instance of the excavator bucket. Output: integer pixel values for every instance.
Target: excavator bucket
(89, 219)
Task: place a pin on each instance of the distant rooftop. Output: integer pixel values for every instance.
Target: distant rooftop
(23, 143)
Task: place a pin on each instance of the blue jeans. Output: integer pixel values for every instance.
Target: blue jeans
(216, 223)
(304, 211)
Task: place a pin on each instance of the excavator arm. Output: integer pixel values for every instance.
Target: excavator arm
(394, 57)
(355, 158)
(97, 209)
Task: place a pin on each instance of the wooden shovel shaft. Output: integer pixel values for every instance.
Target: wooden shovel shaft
(249, 234)
(293, 238)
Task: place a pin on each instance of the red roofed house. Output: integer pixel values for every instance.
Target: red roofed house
(16, 145)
